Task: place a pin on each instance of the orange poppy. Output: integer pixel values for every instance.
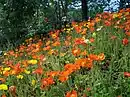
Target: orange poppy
(53, 73)
(46, 82)
(93, 57)
(84, 53)
(39, 71)
(71, 67)
(63, 76)
(81, 62)
(72, 93)
(101, 56)
(85, 62)
(76, 52)
(47, 48)
(3, 95)
(91, 40)
(57, 43)
(2, 80)
(78, 29)
(127, 33)
(17, 69)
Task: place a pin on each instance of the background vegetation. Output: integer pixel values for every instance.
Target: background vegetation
(23, 18)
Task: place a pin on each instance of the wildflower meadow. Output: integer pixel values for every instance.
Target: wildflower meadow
(84, 59)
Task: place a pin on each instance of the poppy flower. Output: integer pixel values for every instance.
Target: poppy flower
(69, 66)
(3, 95)
(126, 74)
(46, 82)
(17, 69)
(101, 56)
(78, 41)
(46, 48)
(93, 57)
(81, 62)
(64, 75)
(53, 73)
(84, 62)
(84, 53)
(32, 62)
(84, 31)
(57, 43)
(125, 41)
(39, 71)
(127, 33)
(78, 29)
(19, 76)
(107, 23)
(3, 87)
(72, 93)
(92, 40)
(76, 52)
(2, 80)
(63, 78)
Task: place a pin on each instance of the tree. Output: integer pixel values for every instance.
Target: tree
(84, 9)
(124, 4)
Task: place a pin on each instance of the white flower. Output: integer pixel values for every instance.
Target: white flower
(98, 29)
(87, 41)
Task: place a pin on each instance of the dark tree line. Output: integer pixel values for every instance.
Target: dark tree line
(124, 4)
(20, 18)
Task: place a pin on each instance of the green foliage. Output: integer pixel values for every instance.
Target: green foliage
(97, 6)
(24, 18)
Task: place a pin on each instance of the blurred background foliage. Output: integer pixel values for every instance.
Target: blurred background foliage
(20, 19)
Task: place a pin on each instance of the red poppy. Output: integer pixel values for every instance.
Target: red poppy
(107, 23)
(92, 40)
(126, 74)
(125, 41)
(78, 41)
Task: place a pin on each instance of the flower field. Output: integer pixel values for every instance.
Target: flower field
(86, 59)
